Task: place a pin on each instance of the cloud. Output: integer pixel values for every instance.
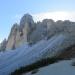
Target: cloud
(59, 15)
(55, 15)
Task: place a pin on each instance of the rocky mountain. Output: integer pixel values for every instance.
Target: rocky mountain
(43, 43)
(32, 32)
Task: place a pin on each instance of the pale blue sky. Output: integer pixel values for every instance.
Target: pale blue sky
(10, 8)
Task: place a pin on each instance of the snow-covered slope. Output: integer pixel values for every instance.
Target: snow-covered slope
(61, 68)
(25, 55)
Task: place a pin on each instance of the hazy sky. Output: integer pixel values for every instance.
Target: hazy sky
(12, 10)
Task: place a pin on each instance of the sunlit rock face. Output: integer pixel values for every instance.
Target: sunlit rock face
(12, 37)
(21, 33)
(66, 27)
(51, 28)
(27, 26)
(31, 32)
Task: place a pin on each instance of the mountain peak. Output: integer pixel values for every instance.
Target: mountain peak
(27, 18)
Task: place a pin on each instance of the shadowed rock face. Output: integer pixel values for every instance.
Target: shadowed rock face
(68, 53)
(31, 32)
(27, 20)
(3, 45)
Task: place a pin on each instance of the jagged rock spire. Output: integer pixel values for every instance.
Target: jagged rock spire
(27, 19)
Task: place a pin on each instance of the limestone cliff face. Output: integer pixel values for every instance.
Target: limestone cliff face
(12, 37)
(39, 33)
(27, 26)
(20, 33)
(31, 32)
